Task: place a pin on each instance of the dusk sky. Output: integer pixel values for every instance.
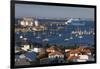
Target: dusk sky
(25, 10)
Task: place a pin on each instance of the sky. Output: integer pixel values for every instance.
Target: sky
(27, 10)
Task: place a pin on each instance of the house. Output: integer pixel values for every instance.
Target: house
(37, 49)
(22, 45)
(85, 50)
(53, 49)
(73, 55)
(39, 27)
(21, 60)
(17, 49)
(26, 22)
(55, 54)
(81, 54)
(56, 57)
(31, 56)
(25, 45)
(83, 58)
(26, 59)
(67, 50)
(74, 52)
(44, 61)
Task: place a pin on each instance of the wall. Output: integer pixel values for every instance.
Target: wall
(5, 34)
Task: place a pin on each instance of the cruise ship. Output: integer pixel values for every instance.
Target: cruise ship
(74, 21)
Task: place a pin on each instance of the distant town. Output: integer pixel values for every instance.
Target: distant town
(41, 41)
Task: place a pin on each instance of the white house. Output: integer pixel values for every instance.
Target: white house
(83, 58)
(26, 22)
(55, 54)
(67, 50)
(37, 50)
(25, 47)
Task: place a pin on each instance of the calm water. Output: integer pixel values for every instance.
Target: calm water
(60, 37)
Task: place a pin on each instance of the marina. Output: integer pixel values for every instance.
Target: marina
(59, 32)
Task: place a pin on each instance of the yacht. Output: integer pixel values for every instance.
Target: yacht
(21, 37)
(76, 35)
(80, 36)
(66, 39)
(71, 37)
(46, 39)
(60, 35)
(74, 21)
(24, 38)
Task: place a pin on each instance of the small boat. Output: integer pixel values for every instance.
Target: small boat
(24, 38)
(50, 32)
(93, 33)
(80, 33)
(76, 35)
(73, 32)
(21, 37)
(66, 23)
(71, 37)
(60, 35)
(80, 36)
(45, 39)
(66, 39)
(38, 37)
